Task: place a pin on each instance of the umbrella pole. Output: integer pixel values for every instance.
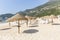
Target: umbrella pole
(52, 20)
(9, 24)
(30, 21)
(27, 23)
(18, 27)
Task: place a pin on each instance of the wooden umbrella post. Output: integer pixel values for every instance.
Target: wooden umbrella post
(18, 27)
(52, 20)
(30, 21)
(27, 23)
(9, 24)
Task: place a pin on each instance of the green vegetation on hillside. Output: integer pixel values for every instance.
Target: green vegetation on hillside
(53, 9)
(49, 12)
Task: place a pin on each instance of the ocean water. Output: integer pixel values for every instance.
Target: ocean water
(3, 21)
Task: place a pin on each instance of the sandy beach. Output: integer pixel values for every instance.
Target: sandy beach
(42, 32)
(29, 19)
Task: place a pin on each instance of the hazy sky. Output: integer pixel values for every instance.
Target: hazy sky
(13, 6)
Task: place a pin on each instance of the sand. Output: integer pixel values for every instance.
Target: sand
(42, 32)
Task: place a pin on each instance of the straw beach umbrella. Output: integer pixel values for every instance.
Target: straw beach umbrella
(30, 18)
(46, 17)
(17, 17)
(9, 20)
(52, 17)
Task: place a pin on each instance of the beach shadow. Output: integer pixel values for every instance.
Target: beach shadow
(56, 24)
(5, 29)
(30, 31)
(15, 26)
(34, 26)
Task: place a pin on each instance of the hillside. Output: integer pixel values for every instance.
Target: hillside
(51, 7)
(3, 17)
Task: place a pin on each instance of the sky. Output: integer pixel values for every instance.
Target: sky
(13, 6)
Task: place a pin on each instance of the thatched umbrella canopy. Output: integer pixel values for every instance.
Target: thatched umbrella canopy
(9, 20)
(46, 17)
(17, 17)
(53, 16)
(30, 18)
